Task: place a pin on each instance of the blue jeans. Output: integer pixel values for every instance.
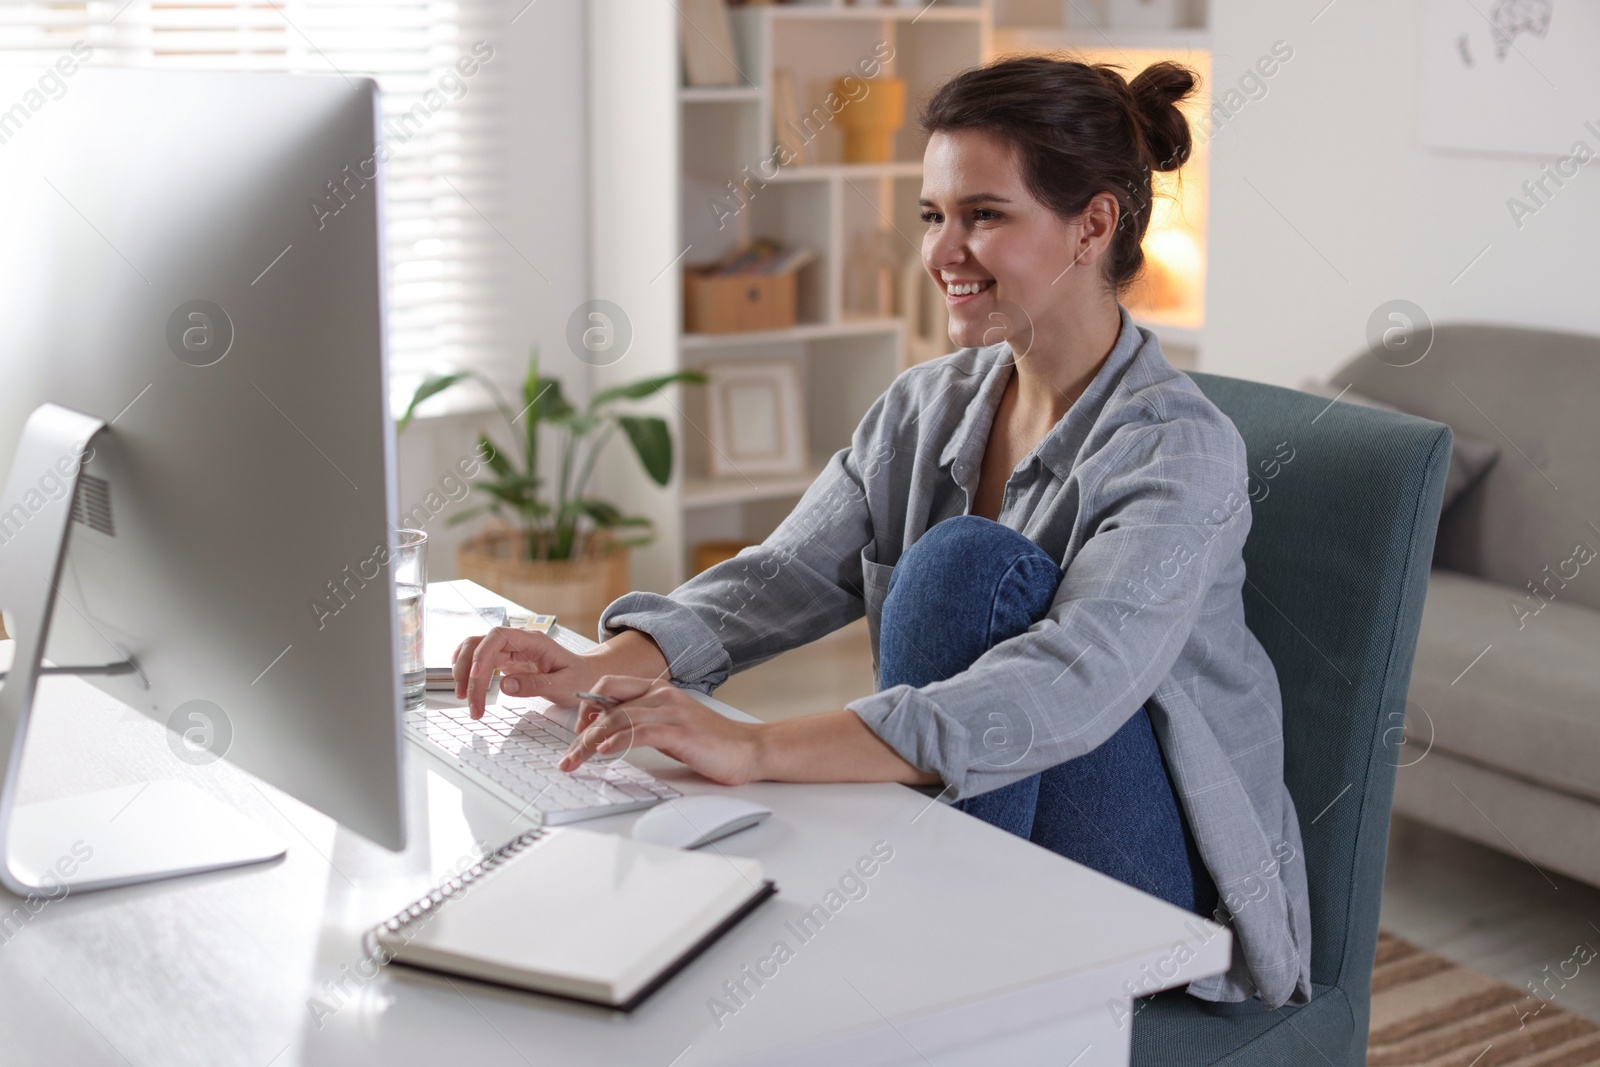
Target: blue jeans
(963, 587)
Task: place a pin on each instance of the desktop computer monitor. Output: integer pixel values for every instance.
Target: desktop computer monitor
(193, 400)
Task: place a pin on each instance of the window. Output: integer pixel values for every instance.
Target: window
(439, 123)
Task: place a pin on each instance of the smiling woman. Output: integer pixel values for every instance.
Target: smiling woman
(1068, 152)
(1045, 531)
(1037, 196)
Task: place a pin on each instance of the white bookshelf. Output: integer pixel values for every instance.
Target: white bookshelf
(645, 216)
(660, 151)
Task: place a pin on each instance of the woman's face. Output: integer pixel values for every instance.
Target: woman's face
(1031, 268)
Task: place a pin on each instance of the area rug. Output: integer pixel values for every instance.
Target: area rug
(1429, 1012)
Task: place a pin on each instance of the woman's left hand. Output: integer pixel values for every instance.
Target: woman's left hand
(659, 715)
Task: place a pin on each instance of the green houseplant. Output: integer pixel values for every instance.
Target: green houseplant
(557, 549)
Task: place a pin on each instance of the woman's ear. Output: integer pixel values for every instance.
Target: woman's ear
(1097, 225)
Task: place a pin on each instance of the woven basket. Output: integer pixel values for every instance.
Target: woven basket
(574, 591)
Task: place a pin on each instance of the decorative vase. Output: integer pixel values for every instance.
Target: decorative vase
(575, 591)
(870, 122)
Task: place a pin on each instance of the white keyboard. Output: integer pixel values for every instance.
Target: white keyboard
(512, 752)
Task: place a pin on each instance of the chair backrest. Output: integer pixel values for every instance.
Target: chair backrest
(1344, 508)
(1530, 509)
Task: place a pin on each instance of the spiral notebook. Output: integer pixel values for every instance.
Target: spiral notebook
(575, 913)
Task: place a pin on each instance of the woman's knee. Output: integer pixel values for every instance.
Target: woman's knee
(965, 585)
(971, 556)
(964, 534)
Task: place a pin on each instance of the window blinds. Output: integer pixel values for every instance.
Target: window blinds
(439, 123)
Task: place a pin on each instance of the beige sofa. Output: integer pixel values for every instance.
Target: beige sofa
(1502, 730)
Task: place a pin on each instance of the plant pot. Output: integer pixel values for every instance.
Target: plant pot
(575, 591)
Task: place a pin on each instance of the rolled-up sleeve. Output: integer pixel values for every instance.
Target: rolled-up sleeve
(1169, 519)
(802, 582)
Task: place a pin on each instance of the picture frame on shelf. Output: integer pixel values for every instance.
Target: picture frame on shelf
(757, 417)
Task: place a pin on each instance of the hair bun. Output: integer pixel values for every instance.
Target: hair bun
(1156, 92)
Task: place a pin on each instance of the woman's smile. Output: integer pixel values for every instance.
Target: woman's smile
(959, 291)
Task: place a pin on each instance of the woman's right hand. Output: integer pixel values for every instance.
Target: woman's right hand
(533, 664)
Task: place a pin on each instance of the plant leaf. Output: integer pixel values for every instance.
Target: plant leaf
(617, 520)
(652, 441)
(644, 387)
(602, 512)
(503, 493)
(462, 516)
(430, 387)
(582, 424)
(515, 490)
(544, 400)
(493, 457)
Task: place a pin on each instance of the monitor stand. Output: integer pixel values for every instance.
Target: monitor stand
(135, 833)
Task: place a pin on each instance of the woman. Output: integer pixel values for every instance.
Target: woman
(1045, 531)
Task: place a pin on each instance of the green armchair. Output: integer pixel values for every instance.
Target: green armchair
(1345, 505)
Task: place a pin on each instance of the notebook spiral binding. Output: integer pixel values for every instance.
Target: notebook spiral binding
(424, 907)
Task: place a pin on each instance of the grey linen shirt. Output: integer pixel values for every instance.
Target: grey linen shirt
(1140, 491)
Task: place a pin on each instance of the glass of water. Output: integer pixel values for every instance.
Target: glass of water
(410, 582)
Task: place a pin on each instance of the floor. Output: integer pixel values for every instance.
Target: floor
(1496, 914)
(1478, 907)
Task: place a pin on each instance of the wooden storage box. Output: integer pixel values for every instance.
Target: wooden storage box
(734, 303)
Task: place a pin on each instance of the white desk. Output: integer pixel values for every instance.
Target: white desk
(970, 946)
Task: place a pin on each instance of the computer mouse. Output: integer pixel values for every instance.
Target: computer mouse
(689, 822)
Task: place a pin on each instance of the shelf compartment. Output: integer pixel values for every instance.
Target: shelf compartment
(719, 145)
(878, 223)
(717, 221)
(816, 50)
(840, 377)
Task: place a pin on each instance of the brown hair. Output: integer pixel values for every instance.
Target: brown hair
(1080, 130)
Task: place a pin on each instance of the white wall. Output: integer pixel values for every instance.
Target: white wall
(634, 242)
(1334, 146)
(541, 209)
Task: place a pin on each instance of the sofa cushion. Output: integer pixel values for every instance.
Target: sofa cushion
(1530, 705)
(1533, 393)
(1470, 457)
